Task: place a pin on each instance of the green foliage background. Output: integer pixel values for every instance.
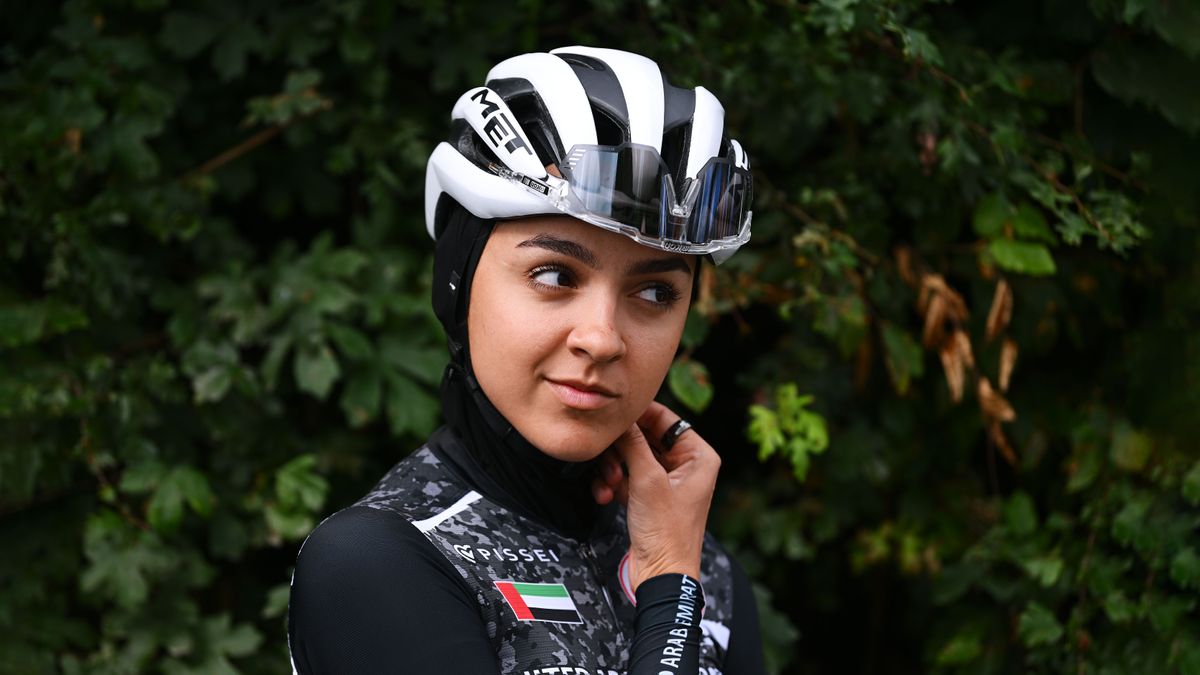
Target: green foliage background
(215, 328)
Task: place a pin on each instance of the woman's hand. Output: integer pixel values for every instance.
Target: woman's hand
(667, 494)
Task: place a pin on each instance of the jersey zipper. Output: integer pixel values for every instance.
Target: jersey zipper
(589, 554)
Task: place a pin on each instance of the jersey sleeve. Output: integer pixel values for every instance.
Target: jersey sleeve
(371, 594)
(745, 655)
(667, 627)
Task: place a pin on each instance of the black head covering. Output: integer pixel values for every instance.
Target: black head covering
(498, 457)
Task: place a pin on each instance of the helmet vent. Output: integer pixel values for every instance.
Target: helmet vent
(609, 131)
(583, 61)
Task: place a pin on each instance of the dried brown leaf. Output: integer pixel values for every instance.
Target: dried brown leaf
(73, 138)
(935, 322)
(904, 265)
(924, 293)
(963, 344)
(1006, 451)
(956, 304)
(1008, 359)
(933, 285)
(993, 404)
(952, 364)
(1001, 311)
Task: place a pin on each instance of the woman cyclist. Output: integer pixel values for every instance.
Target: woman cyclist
(555, 524)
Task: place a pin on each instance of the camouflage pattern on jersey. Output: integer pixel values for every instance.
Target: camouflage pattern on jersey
(487, 543)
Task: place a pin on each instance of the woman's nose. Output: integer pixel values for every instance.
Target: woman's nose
(595, 333)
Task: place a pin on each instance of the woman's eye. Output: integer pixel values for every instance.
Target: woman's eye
(657, 294)
(552, 277)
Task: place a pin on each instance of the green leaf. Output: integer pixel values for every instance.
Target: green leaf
(164, 512)
(764, 430)
(28, 323)
(297, 485)
(904, 357)
(1038, 626)
(990, 215)
(1191, 485)
(1185, 569)
(182, 485)
(185, 33)
(808, 428)
(799, 456)
(211, 385)
(1178, 23)
(273, 361)
(121, 564)
(916, 43)
(239, 640)
(1119, 608)
(316, 369)
(843, 320)
(695, 330)
(142, 477)
(1029, 223)
(961, 649)
(1086, 467)
(1022, 257)
(287, 525)
(690, 383)
(277, 601)
(333, 297)
(409, 408)
(954, 581)
(194, 486)
(1020, 515)
(350, 342)
(1129, 520)
(1152, 74)
(1130, 448)
(793, 431)
(1046, 571)
(237, 40)
(422, 363)
(297, 81)
(1165, 612)
(361, 396)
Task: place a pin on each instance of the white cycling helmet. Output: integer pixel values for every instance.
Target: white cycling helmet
(598, 134)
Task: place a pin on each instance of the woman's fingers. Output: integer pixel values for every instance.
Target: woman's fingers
(602, 492)
(610, 478)
(667, 495)
(655, 422)
(635, 452)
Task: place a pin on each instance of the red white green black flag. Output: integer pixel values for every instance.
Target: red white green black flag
(539, 602)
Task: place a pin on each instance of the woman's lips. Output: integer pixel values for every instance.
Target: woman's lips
(573, 397)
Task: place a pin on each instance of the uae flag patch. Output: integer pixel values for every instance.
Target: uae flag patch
(539, 602)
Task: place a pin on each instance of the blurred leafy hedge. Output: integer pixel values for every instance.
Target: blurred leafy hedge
(954, 378)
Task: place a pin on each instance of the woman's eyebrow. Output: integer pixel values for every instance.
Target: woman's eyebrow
(564, 246)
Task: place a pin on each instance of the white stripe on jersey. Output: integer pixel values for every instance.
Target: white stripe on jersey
(455, 509)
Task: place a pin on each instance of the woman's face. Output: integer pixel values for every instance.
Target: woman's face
(572, 329)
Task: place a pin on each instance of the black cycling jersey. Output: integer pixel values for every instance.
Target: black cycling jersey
(433, 572)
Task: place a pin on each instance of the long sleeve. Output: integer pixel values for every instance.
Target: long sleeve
(371, 595)
(667, 639)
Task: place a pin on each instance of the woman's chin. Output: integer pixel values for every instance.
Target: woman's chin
(571, 445)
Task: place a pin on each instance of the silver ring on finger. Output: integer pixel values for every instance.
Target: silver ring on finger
(672, 435)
